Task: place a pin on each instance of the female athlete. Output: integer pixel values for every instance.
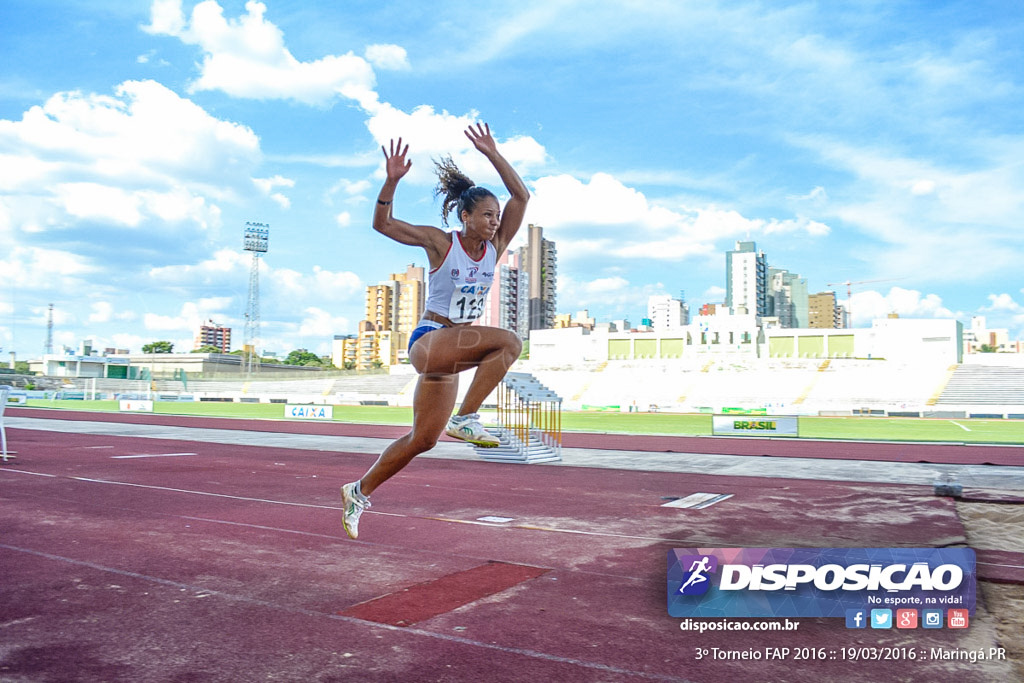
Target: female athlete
(445, 341)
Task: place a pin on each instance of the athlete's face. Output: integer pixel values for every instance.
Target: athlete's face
(483, 220)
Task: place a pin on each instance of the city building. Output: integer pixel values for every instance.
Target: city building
(787, 298)
(746, 280)
(979, 338)
(212, 334)
(393, 308)
(508, 303)
(823, 312)
(724, 335)
(666, 313)
(580, 319)
(344, 351)
(539, 258)
(523, 296)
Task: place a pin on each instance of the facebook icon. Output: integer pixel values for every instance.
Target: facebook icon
(856, 618)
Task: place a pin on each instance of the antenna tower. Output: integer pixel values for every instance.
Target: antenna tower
(256, 238)
(49, 332)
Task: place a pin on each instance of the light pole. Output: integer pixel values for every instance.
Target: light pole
(256, 239)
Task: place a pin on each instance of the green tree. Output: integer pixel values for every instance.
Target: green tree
(158, 347)
(988, 348)
(208, 348)
(303, 357)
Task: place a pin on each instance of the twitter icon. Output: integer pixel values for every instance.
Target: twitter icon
(881, 618)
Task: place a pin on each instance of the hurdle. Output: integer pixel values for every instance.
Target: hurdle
(529, 422)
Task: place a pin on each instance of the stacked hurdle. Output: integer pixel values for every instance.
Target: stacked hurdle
(529, 422)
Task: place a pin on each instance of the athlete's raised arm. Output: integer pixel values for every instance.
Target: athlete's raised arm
(434, 240)
(515, 207)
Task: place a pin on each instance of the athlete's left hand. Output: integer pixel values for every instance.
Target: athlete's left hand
(482, 140)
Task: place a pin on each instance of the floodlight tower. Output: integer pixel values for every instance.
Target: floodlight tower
(48, 350)
(256, 238)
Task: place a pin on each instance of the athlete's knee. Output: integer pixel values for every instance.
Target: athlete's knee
(420, 441)
(515, 344)
(511, 344)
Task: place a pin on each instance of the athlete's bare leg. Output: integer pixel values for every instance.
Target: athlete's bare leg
(490, 350)
(432, 406)
(439, 356)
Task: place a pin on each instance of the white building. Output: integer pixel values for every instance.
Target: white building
(997, 340)
(666, 313)
(746, 280)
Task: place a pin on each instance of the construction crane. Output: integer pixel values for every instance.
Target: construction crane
(849, 291)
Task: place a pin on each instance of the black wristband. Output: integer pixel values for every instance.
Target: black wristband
(383, 203)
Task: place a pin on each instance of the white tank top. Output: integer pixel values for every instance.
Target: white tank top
(458, 287)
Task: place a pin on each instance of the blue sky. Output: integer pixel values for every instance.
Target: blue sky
(862, 141)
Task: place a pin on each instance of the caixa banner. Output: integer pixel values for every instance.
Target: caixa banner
(817, 582)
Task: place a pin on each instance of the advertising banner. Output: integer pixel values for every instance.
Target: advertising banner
(296, 412)
(874, 583)
(753, 425)
(136, 406)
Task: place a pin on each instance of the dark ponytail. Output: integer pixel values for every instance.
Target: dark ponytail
(458, 191)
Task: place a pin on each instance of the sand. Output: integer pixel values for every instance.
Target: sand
(1000, 526)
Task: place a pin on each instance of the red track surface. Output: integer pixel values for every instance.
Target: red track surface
(230, 564)
(965, 454)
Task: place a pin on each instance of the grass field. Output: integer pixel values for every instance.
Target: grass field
(856, 428)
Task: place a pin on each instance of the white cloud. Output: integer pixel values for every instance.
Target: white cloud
(866, 306)
(317, 322)
(799, 224)
(1003, 302)
(392, 57)
(604, 297)
(431, 135)
(165, 18)
(247, 57)
(602, 201)
(144, 155)
(268, 185)
(921, 212)
(191, 316)
(350, 188)
(922, 187)
(343, 219)
(620, 221)
(102, 312)
(47, 269)
(1003, 309)
(226, 265)
(713, 294)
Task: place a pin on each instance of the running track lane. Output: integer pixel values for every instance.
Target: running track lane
(945, 453)
(230, 564)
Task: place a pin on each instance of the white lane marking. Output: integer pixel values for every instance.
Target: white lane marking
(529, 527)
(150, 455)
(960, 426)
(697, 501)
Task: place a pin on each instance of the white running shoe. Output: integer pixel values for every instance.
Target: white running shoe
(468, 428)
(354, 505)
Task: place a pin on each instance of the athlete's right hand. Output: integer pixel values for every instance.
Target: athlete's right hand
(395, 162)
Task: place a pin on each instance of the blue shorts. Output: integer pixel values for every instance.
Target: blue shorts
(421, 329)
